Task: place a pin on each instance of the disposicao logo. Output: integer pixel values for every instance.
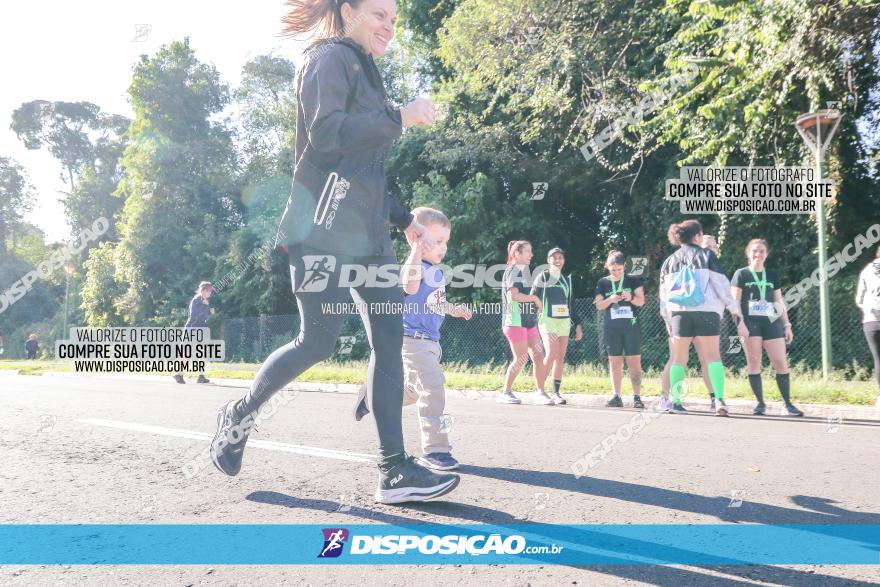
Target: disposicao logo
(334, 540)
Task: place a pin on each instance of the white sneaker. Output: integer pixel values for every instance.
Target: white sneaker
(557, 398)
(540, 398)
(507, 397)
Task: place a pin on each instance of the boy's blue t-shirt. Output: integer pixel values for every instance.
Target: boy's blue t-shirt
(424, 311)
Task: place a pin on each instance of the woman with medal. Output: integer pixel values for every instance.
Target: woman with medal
(557, 318)
(619, 295)
(760, 295)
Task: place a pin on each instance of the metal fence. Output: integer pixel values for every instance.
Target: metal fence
(479, 341)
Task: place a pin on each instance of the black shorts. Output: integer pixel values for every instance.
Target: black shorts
(688, 324)
(625, 341)
(765, 328)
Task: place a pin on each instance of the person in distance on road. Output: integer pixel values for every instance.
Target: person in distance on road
(694, 292)
(619, 296)
(520, 311)
(199, 310)
(557, 318)
(868, 301)
(760, 295)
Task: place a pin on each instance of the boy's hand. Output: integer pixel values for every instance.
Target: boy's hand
(466, 314)
(415, 231)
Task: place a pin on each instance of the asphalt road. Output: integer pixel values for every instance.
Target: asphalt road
(110, 451)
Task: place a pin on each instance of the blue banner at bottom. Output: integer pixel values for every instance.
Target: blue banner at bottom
(705, 544)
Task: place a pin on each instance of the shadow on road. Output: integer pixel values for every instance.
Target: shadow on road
(654, 574)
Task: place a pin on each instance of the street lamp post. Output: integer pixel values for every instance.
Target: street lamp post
(68, 271)
(817, 130)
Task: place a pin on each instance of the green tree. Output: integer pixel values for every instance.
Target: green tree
(16, 198)
(179, 186)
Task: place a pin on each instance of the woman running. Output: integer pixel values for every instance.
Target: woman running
(868, 300)
(619, 296)
(556, 319)
(339, 213)
(693, 294)
(520, 315)
(199, 311)
(759, 293)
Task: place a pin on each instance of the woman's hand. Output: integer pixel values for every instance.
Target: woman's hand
(615, 298)
(626, 296)
(789, 335)
(578, 332)
(419, 112)
(741, 328)
(538, 304)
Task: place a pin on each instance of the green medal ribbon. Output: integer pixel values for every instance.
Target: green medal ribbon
(762, 284)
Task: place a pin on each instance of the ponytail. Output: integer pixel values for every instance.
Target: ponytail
(322, 18)
(684, 232)
(514, 247)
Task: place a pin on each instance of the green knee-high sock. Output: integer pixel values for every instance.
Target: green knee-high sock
(716, 376)
(676, 378)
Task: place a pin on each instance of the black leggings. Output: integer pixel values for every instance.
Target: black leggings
(319, 329)
(872, 333)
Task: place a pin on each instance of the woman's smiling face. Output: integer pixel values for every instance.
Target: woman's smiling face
(371, 24)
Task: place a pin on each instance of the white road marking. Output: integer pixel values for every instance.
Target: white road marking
(311, 451)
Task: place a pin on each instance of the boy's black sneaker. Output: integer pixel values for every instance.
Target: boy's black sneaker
(614, 402)
(179, 379)
(637, 402)
(360, 407)
(406, 480)
(439, 461)
(227, 448)
(759, 409)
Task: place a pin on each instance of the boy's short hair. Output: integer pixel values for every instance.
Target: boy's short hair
(426, 216)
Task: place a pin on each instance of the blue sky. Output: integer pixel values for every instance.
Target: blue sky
(85, 50)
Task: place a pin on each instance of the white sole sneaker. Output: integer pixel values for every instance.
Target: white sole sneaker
(405, 494)
(541, 399)
(504, 399)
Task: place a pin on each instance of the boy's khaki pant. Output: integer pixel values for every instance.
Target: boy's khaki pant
(424, 386)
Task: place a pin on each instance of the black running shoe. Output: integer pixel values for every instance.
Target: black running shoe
(227, 447)
(203, 379)
(438, 461)
(637, 402)
(179, 379)
(409, 481)
(678, 409)
(759, 409)
(360, 408)
(614, 402)
(793, 411)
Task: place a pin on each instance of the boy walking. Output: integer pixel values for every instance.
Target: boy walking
(425, 308)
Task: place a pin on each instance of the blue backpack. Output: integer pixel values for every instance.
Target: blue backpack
(685, 289)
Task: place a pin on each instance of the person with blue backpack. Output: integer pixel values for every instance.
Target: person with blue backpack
(694, 291)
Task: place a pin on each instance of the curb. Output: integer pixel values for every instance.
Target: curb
(830, 412)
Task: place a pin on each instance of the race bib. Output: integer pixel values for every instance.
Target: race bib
(620, 312)
(559, 310)
(760, 308)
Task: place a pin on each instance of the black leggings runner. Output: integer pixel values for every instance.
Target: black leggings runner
(320, 327)
(872, 334)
